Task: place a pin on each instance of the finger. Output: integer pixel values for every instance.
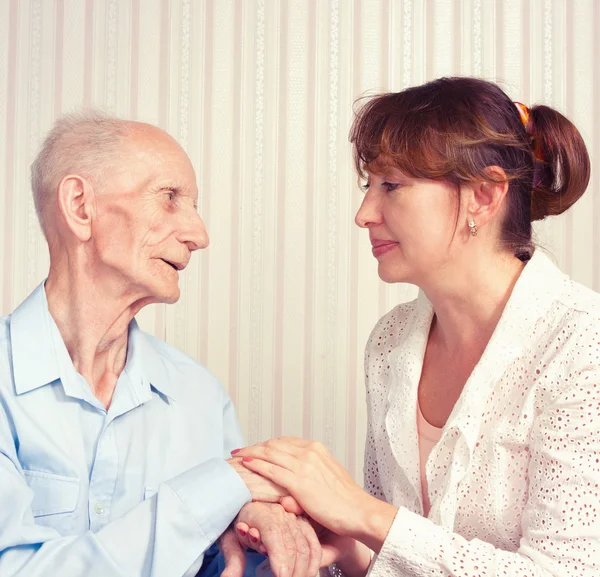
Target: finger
(280, 549)
(302, 549)
(274, 473)
(254, 535)
(233, 553)
(273, 453)
(291, 505)
(277, 446)
(315, 552)
(242, 528)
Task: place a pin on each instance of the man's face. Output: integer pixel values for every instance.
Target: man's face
(146, 223)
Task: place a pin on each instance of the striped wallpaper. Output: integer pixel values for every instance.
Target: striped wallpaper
(260, 94)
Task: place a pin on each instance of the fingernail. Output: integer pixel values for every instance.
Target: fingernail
(242, 532)
(247, 459)
(235, 451)
(253, 539)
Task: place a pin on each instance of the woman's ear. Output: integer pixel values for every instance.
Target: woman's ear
(488, 195)
(76, 204)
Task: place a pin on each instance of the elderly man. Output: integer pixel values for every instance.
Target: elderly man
(114, 447)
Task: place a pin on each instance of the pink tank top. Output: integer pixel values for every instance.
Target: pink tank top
(428, 437)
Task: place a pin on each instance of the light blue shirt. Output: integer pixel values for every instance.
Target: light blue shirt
(142, 489)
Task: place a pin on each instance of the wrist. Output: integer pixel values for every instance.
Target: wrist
(356, 559)
(373, 524)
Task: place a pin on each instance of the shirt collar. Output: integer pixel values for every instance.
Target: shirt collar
(149, 361)
(36, 358)
(35, 362)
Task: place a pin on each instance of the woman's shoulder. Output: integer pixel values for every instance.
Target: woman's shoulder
(391, 327)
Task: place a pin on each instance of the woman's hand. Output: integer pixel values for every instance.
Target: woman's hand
(322, 487)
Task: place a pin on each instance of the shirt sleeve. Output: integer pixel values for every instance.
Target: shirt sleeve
(560, 522)
(164, 535)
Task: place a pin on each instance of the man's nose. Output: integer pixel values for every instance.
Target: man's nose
(195, 235)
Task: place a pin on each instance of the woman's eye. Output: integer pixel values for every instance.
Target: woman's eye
(365, 186)
(389, 186)
(171, 196)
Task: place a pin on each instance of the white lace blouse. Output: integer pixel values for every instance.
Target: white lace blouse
(514, 481)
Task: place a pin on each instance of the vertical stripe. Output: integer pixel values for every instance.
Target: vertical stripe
(309, 249)
(88, 58)
(354, 349)
(458, 35)
(111, 59)
(569, 109)
(254, 406)
(204, 203)
(34, 99)
(408, 44)
(595, 182)
(499, 31)
(58, 56)
(429, 33)
(11, 136)
(165, 58)
(526, 53)
(548, 93)
(332, 216)
(236, 164)
(280, 222)
(477, 68)
(135, 58)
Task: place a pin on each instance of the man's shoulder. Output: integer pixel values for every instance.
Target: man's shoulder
(5, 353)
(4, 339)
(183, 369)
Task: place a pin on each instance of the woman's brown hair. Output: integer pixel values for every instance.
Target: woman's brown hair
(452, 129)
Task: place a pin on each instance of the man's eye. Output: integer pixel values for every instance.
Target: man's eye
(389, 186)
(171, 195)
(365, 186)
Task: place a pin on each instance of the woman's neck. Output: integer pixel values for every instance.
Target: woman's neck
(469, 305)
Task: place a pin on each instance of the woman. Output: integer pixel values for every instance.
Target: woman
(483, 447)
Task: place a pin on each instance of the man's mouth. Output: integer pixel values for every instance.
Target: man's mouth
(175, 265)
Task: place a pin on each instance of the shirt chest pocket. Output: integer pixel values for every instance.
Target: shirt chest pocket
(52, 494)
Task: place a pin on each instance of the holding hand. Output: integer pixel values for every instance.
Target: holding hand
(322, 487)
(289, 541)
(261, 488)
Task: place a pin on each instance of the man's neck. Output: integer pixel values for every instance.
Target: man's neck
(93, 321)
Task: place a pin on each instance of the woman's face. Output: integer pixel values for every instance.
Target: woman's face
(412, 224)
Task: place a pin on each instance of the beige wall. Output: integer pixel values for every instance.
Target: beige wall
(260, 94)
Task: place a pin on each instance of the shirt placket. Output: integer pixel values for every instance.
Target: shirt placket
(103, 479)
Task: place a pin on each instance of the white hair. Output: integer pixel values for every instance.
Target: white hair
(85, 143)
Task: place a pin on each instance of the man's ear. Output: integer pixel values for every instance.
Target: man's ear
(488, 196)
(76, 202)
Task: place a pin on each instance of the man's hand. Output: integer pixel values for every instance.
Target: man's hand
(351, 556)
(289, 541)
(233, 552)
(260, 488)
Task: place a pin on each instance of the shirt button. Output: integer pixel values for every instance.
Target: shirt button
(99, 508)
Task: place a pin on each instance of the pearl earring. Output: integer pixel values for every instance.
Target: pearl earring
(472, 227)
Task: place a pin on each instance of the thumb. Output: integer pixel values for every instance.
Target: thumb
(291, 505)
(233, 553)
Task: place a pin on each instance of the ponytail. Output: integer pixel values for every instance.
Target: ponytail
(562, 169)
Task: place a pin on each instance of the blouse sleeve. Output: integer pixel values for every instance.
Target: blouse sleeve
(560, 522)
